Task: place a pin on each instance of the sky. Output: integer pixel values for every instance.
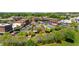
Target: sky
(39, 6)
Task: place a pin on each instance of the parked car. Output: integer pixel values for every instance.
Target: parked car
(14, 33)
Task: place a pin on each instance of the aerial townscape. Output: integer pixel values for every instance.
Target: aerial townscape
(39, 29)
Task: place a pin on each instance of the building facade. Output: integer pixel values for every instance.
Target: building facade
(5, 28)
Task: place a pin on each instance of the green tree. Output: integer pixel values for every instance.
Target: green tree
(58, 36)
(62, 17)
(22, 34)
(69, 35)
(6, 38)
(30, 42)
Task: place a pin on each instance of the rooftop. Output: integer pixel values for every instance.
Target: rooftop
(5, 19)
(3, 24)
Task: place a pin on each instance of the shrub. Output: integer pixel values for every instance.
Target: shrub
(5, 36)
(39, 40)
(58, 28)
(49, 38)
(14, 42)
(48, 30)
(31, 33)
(58, 36)
(22, 34)
(26, 34)
(39, 29)
(69, 35)
(19, 40)
(30, 43)
(8, 40)
(44, 38)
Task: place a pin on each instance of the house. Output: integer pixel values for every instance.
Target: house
(5, 27)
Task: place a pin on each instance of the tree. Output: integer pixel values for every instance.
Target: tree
(62, 17)
(30, 43)
(6, 38)
(58, 36)
(22, 34)
(69, 35)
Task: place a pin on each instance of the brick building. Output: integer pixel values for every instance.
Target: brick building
(5, 28)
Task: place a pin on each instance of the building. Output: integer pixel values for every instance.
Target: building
(5, 28)
(73, 19)
(45, 18)
(77, 19)
(37, 19)
(40, 18)
(21, 22)
(15, 18)
(65, 21)
(53, 21)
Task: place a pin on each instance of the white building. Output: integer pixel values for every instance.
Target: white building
(65, 21)
(14, 25)
(73, 19)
